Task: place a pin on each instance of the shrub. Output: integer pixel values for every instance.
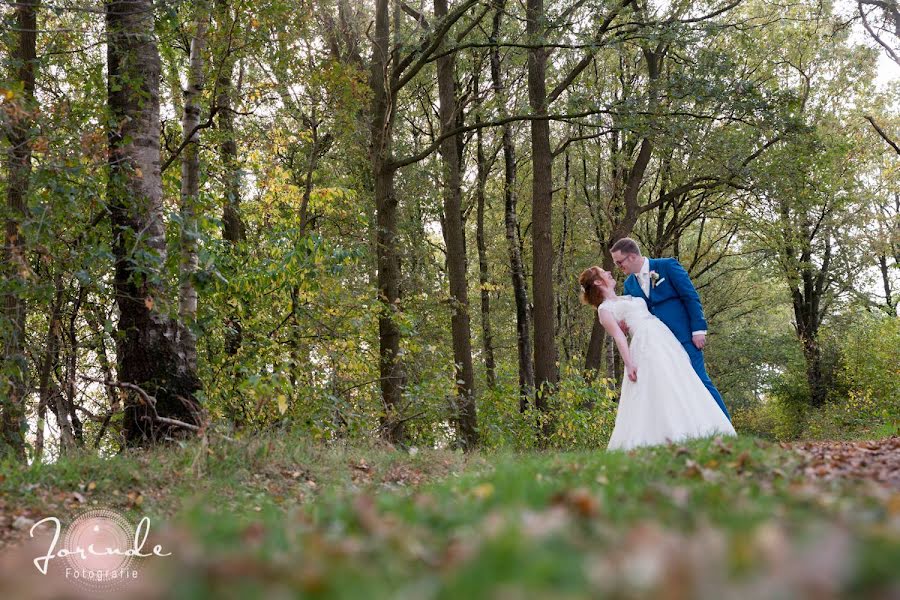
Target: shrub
(871, 373)
(754, 419)
(581, 415)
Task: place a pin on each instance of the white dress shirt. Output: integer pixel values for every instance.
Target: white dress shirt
(643, 278)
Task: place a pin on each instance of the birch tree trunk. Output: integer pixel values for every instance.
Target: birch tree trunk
(190, 182)
(149, 346)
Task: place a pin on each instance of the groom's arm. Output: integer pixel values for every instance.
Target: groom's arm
(681, 281)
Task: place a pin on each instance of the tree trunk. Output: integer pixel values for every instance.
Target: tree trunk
(563, 310)
(455, 239)
(511, 221)
(545, 374)
(807, 319)
(886, 282)
(190, 183)
(72, 367)
(815, 377)
(390, 365)
(483, 273)
(149, 346)
(18, 159)
(233, 229)
(50, 394)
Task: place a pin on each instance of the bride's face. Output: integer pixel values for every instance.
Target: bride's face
(608, 280)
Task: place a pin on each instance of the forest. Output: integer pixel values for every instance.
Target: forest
(335, 241)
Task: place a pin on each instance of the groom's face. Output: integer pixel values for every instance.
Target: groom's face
(629, 263)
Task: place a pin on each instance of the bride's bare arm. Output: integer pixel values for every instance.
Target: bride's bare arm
(612, 328)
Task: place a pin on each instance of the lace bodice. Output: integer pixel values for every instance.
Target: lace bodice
(631, 309)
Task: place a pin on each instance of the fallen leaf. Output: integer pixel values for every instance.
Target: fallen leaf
(722, 446)
(692, 469)
(579, 500)
(743, 460)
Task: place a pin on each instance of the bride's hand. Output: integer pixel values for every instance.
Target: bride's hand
(631, 371)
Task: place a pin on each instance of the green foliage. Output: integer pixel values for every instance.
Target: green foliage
(870, 377)
(756, 419)
(871, 369)
(581, 415)
(864, 399)
(271, 291)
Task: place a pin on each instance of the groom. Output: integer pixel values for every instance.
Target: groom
(670, 295)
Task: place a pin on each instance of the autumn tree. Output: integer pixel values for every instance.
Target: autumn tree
(150, 351)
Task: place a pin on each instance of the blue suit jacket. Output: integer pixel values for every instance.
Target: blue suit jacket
(673, 298)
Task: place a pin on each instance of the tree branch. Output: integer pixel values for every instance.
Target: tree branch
(147, 399)
(883, 134)
(429, 44)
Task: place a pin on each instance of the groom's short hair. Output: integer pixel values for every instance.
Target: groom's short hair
(627, 246)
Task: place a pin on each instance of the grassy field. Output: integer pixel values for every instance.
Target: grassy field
(279, 517)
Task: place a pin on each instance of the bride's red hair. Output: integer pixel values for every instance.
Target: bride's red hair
(591, 281)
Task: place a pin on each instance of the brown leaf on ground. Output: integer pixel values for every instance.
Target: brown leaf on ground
(722, 446)
(874, 460)
(362, 465)
(579, 500)
(404, 475)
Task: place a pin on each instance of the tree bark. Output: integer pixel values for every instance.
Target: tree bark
(483, 172)
(149, 347)
(383, 104)
(511, 222)
(190, 182)
(886, 282)
(545, 372)
(563, 309)
(455, 239)
(234, 230)
(18, 166)
(807, 284)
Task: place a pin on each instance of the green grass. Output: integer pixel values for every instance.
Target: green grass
(278, 516)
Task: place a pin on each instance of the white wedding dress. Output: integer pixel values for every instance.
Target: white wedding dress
(668, 402)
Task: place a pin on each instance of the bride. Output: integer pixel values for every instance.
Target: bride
(662, 397)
